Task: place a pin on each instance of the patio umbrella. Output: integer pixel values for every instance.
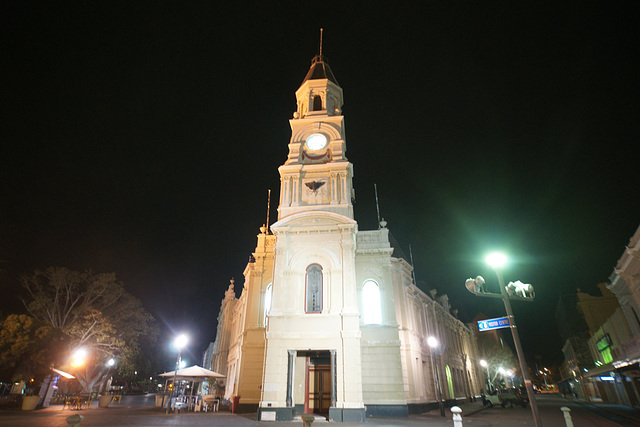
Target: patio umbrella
(192, 373)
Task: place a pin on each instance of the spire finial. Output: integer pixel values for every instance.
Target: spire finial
(320, 55)
(268, 211)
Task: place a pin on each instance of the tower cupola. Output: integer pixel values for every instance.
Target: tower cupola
(317, 174)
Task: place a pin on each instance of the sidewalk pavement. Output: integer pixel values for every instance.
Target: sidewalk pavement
(612, 411)
(135, 415)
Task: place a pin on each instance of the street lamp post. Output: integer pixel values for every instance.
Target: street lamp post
(497, 261)
(107, 382)
(433, 343)
(485, 365)
(180, 342)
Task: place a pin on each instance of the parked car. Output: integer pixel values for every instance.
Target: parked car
(505, 398)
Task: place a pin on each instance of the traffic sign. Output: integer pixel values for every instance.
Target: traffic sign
(490, 324)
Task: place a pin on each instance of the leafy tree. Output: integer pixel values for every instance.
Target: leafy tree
(28, 347)
(97, 315)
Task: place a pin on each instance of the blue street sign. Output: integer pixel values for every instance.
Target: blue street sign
(490, 324)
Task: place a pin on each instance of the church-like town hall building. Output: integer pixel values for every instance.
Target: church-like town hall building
(330, 320)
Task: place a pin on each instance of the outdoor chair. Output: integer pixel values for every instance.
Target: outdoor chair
(210, 403)
(86, 402)
(179, 405)
(68, 402)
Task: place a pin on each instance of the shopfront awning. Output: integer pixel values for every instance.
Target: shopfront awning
(63, 373)
(600, 370)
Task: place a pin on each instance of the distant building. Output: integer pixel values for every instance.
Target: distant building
(574, 332)
(625, 284)
(330, 320)
(597, 309)
(615, 343)
(577, 360)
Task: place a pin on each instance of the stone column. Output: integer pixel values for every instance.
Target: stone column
(333, 378)
(292, 355)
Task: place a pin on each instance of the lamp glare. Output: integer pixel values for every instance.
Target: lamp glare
(496, 259)
(181, 341)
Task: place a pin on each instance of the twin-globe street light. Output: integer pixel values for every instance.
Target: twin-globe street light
(498, 260)
(180, 341)
(434, 343)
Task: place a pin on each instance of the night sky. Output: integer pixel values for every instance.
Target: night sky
(141, 138)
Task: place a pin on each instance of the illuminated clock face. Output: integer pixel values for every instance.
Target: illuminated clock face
(317, 141)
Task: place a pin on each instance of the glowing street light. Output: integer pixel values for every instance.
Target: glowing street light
(78, 357)
(496, 260)
(485, 365)
(106, 384)
(433, 344)
(181, 341)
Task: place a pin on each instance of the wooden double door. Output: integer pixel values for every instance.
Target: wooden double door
(318, 385)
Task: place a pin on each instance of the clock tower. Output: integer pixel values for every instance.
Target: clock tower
(312, 361)
(317, 174)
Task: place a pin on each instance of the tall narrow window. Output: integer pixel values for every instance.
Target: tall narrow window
(317, 103)
(267, 304)
(372, 312)
(452, 394)
(314, 289)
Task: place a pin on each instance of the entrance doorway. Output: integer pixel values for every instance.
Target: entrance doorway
(318, 383)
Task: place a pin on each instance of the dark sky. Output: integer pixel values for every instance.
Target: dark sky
(140, 138)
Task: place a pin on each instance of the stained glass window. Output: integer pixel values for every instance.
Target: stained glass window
(314, 289)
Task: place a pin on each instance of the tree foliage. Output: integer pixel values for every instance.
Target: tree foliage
(59, 296)
(28, 347)
(95, 312)
(498, 356)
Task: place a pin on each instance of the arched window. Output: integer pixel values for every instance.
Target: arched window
(267, 304)
(372, 311)
(450, 381)
(313, 282)
(317, 103)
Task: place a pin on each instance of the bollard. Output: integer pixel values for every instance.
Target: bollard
(74, 420)
(567, 416)
(457, 418)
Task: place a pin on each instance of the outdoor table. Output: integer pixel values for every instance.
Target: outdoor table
(210, 403)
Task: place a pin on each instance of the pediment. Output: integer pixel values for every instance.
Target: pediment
(312, 219)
